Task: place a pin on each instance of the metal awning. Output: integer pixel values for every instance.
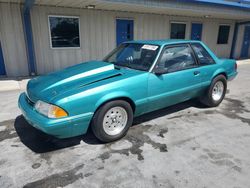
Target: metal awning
(168, 7)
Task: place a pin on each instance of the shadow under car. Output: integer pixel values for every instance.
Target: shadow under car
(40, 142)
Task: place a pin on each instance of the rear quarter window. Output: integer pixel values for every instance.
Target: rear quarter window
(202, 55)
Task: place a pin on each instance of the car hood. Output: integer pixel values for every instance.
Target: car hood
(49, 86)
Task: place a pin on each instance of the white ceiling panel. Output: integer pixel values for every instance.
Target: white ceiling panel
(151, 6)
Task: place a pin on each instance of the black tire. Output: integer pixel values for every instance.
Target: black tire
(208, 99)
(97, 121)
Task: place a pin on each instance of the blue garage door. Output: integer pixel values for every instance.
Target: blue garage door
(246, 43)
(2, 67)
(124, 30)
(196, 31)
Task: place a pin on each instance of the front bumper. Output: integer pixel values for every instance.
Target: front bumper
(60, 128)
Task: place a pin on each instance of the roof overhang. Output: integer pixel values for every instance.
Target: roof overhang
(168, 7)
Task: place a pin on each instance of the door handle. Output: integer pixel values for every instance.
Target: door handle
(196, 73)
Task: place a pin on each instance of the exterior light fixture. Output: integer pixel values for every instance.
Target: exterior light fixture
(90, 6)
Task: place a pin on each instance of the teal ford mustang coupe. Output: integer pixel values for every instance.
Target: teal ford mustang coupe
(135, 78)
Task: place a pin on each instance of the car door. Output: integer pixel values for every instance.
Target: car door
(179, 81)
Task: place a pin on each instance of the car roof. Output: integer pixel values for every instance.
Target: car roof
(163, 42)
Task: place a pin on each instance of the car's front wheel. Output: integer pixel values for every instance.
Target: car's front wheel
(112, 120)
(216, 91)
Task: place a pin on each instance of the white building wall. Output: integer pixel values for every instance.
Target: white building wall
(12, 40)
(98, 34)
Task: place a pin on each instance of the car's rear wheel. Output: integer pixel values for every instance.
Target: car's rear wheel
(112, 120)
(216, 92)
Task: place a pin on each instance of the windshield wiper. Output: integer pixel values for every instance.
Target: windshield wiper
(123, 65)
(117, 67)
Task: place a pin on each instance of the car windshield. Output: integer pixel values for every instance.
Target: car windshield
(134, 56)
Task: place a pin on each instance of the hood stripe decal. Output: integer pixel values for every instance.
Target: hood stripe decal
(119, 74)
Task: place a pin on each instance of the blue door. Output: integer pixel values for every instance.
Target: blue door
(2, 67)
(246, 43)
(124, 30)
(196, 31)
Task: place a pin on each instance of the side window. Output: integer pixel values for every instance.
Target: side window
(176, 58)
(64, 31)
(202, 54)
(178, 31)
(223, 34)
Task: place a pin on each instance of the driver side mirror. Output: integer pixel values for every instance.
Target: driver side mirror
(159, 71)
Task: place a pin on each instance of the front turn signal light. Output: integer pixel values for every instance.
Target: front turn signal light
(57, 112)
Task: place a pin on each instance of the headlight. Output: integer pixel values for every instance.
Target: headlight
(50, 110)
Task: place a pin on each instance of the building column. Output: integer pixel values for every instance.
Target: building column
(28, 36)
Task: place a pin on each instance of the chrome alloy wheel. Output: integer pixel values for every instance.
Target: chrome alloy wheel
(217, 91)
(115, 120)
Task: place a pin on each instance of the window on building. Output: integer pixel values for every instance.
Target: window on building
(176, 58)
(223, 34)
(64, 31)
(178, 31)
(202, 54)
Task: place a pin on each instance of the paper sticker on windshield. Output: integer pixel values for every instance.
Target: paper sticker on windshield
(149, 47)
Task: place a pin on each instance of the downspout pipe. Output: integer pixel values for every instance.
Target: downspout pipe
(28, 35)
(236, 30)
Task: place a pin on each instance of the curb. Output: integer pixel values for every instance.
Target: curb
(243, 62)
(9, 85)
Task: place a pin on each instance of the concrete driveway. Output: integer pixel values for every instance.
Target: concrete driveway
(185, 145)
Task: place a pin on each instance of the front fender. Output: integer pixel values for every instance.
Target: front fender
(111, 96)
